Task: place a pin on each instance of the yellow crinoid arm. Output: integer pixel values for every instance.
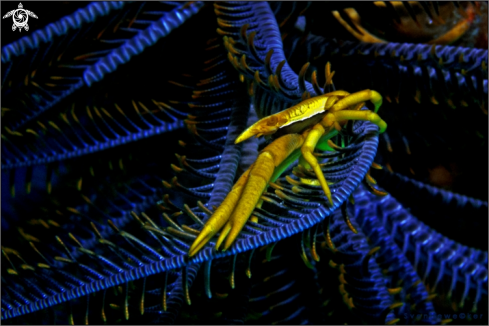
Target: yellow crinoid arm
(454, 34)
(233, 213)
(364, 35)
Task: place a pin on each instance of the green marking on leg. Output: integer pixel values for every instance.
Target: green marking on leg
(322, 144)
(285, 164)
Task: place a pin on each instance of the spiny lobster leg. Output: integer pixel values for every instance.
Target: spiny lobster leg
(238, 205)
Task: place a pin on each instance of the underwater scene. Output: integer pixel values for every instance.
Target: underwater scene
(244, 163)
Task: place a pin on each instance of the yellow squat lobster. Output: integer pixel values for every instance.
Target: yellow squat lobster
(306, 126)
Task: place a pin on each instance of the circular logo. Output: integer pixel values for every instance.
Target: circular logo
(20, 18)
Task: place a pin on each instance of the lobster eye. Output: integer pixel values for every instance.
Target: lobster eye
(272, 121)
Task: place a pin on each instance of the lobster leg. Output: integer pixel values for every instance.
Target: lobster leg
(331, 118)
(307, 152)
(358, 97)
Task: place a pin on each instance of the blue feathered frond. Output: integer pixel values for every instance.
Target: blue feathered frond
(118, 129)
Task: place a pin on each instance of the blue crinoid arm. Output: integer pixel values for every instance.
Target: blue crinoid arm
(124, 245)
(45, 75)
(251, 33)
(425, 73)
(255, 49)
(171, 256)
(107, 240)
(447, 267)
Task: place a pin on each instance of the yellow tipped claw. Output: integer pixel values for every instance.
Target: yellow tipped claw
(260, 174)
(235, 210)
(220, 216)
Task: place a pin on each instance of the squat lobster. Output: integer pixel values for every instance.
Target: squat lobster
(305, 126)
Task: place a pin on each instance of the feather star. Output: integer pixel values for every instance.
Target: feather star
(118, 129)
